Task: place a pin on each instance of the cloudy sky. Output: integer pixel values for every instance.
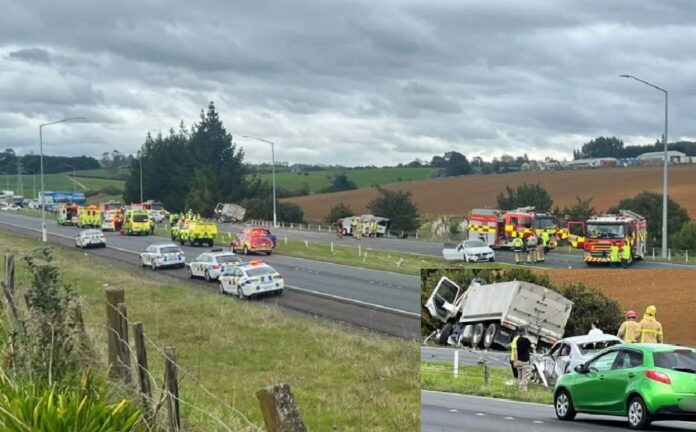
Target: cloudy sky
(350, 82)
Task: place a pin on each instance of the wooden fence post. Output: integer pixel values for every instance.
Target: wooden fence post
(114, 296)
(143, 377)
(279, 410)
(125, 351)
(172, 386)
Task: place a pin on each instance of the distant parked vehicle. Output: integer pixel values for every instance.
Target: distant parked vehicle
(90, 238)
(11, 208)
(470, 251)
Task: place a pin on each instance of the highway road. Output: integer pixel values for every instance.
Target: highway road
(381, 301)
(431, 248)
(443, 412)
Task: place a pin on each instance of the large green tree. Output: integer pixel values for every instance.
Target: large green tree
(339, 182)
(398, 207)
(685, 238)
(525, 195)
(649, 205)
(581, 210)
(600, 147)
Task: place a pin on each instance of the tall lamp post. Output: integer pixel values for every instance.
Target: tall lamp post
(140, 161)
(275, 219)
(42, 200)
(666, 163)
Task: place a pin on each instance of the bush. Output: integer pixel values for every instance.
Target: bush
(685, 239)
(92, 192)
(337, 212)
(397, 206)
(26, 406)
(525, 195)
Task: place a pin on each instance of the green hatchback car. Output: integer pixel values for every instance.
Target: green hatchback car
(644, 382)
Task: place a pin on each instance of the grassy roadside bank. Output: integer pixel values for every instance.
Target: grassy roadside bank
(343, 379)
(439, 376)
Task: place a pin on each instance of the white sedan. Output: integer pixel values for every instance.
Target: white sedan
(251, 279)
(89, 238)
(162, 255)
(210, 265)
(470, 251)
(11, 207)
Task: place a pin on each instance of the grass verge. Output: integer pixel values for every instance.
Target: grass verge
(343, 379)
(438, 376)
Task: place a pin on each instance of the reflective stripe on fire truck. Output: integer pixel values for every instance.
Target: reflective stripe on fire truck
(481, 228)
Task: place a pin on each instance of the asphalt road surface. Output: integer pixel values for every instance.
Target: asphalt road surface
(381, 301)
(443, 412)
(431, 248)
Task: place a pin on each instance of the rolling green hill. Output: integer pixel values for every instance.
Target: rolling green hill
(64, 182)
(363, 177)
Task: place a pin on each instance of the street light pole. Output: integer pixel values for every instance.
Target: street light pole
(42, 200)
(666, 163)
(140, 160)
(275, 218)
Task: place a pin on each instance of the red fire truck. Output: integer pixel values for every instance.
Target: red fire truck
(605, 230)
(497, 228)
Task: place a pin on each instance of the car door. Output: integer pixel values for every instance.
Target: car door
(619, 378)
(550, 362)
(197, 265)
(588, 390)
(147, 255)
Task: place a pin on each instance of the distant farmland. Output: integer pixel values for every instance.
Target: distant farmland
(458, 195)
(31, 184)
(317, 180)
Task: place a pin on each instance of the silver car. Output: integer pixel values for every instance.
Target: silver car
(161, 255)
(568, 353)
(90, 238)
(470, 251)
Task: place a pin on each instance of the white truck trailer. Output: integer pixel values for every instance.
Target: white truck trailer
(488, 315)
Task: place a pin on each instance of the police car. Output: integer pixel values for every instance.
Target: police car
(251, 279)
(90, 237)
(162, 255)
(210, 265)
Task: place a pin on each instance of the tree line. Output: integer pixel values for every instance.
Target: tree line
(199, 166)
(31, 163)
(614, 147)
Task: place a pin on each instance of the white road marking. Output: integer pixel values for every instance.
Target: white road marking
(538, 422)
(509, 418)
(481, 414)
(454, 410)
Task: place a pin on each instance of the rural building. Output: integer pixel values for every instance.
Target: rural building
(656, 158)
(592, 163)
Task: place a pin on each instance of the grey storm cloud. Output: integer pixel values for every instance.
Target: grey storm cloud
(356, 81)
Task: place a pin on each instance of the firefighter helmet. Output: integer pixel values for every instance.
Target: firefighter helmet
(651, 310)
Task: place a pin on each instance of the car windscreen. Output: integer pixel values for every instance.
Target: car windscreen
(227, 258)
(682, 360)
(261, 271)
(474, 244)
(169, 249)
(259, 233)
(139, 218)
(595, 347)
(605, 231)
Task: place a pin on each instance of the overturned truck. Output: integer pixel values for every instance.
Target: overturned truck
(488, 315)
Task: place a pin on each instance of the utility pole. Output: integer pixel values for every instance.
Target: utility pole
(20, 185)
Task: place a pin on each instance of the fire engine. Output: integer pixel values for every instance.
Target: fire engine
(497, 228)
(603, 231)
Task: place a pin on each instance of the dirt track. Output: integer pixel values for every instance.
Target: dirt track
(673, 292)
(459, 195)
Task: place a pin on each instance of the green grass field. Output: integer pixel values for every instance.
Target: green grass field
(103, 173)
(439, 376)
(362, 177)
(56, 182)
(343, 379)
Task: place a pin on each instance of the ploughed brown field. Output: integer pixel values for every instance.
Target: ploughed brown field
(456, 196)
(671, 291)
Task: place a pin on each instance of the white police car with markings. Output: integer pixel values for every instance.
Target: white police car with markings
(162, 255)
(251, 279)
(90, 238)
(210, 265)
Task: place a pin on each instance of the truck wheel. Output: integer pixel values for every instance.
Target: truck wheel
(445, 333)
(489, 336)
(478, 335)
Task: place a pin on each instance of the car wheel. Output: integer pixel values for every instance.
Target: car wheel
(445, 334)
(564, 406)
(211, 243)
(246, 250)
(279, 292)
(478, 335)
(189, 272)
(488, 338)
(142, 263)
(269, 253)
(153, 265)
(207, 276)
(638, 416)
(240, 293)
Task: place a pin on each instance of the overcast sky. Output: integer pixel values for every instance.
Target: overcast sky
(349, 82)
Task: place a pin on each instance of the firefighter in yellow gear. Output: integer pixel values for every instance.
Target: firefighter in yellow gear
(518, 248)
(358, 229)
(543, 241)
(625, 254)
(649, 329)
(614, 255)
(532, 242)
(373, 228)
(513, 351)
(629, 328)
